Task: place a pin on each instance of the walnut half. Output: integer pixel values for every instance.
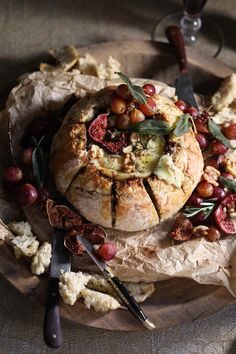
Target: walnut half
(211, 175)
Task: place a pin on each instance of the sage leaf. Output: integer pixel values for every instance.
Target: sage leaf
(136, 91)
(206, 208)
(152, 127)
(183, 125)
(228, 183)
(38, 164)
(216, 132)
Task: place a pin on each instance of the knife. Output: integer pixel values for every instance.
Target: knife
(183, 85)
(60, 260)
(125, 296)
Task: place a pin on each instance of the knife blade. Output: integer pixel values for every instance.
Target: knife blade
(125, 296)
(183, 84)
(60, 260)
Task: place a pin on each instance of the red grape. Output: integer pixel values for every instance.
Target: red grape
(136, 116)
(213, 234)
(202, 140)
(201, 123)
(230, 131)
(107, 251)
(181, 105)
(123, 91)
(218, 148)
(227, 175)
(149, 108)
(211, 161)
(205, 189)
(118, 105)
(130, 105)
(27, 156)
(27, 194)
(12, 174)
(122, 121)
(194, 200)
(192, 111)
(198, 219)
(149, 89)
(218, 193)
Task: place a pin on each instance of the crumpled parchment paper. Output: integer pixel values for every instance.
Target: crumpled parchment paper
(142, 256)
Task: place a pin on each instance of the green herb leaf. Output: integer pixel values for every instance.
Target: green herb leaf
(38, 163)
(228, 183)
(206, 207)
(216, 132)
(136, 91)
(152, 127)
(182, 125)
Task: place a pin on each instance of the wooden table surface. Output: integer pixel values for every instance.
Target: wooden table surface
(27, 29)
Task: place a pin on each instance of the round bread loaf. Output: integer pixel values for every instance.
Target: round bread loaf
(147, 181)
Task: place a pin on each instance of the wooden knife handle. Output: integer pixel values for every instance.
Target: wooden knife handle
(52, 333)
(175, 37)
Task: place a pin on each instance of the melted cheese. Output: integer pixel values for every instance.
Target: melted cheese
(145, 161)
(167, 171)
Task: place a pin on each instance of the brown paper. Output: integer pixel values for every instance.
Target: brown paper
(142, 256)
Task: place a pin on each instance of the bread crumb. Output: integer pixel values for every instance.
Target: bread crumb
(41, 259)
(25, 246)
(226, 94)
(20, 228)
(71, 284)
(99, 301)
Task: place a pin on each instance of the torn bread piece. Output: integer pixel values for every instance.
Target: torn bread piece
(226, 93)
(20, 228)
(5, 233)
(140, 291)
(99, 301)
(41, 260)
(25, 246)
(71, 284)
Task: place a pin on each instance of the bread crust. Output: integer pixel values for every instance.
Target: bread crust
(68, 154)
(84, 111)
(188, 158)
(133, 204)
(91, 194)
(134, 209)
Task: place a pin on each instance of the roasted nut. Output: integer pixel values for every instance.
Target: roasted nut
(200, 231)
(230, 166)
(211, 175)
(129, 165)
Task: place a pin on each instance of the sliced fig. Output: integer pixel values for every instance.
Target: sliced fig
(182, 230)
(72, 244)
(98, 127)
(98, 132)
(115, 146)
(225, 214)
(61, 217)
(94, 233)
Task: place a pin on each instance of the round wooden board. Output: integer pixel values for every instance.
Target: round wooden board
(175, 301)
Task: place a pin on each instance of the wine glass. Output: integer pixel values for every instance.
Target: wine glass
(198, 31)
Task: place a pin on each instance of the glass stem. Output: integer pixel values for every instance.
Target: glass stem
(189, 27)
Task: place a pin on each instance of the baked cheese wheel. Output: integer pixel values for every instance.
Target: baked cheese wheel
(148, 180)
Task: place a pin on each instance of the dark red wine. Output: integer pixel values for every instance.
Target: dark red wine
(193, 7)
